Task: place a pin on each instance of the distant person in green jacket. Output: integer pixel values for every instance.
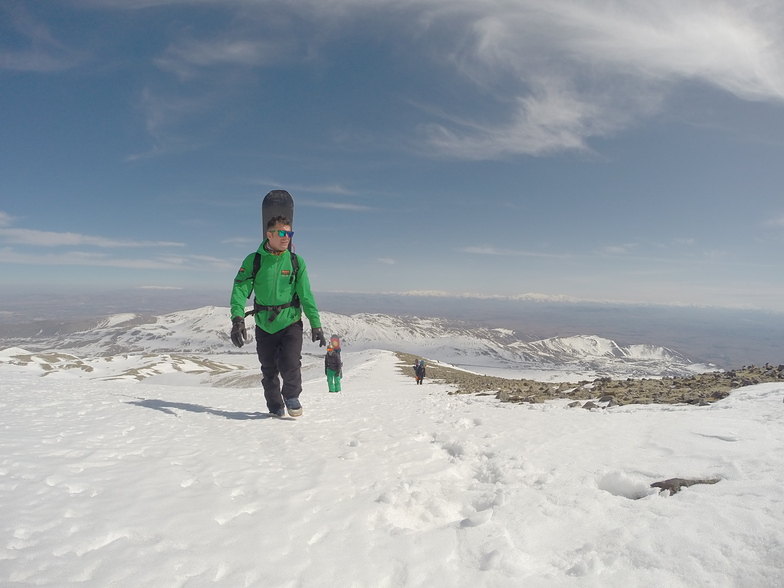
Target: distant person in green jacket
(333, 368)
(279, 279)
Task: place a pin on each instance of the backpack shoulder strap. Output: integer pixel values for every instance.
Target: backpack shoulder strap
(256, 266)
(294, 266)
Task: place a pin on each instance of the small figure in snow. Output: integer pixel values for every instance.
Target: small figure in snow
(333, 368)
(419, 370)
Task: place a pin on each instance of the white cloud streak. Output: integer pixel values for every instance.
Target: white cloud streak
(82, 258)
(512, 253)
(623, 249)
(334, 189)
(164, 114)
(573, 70)
(242, 241)
(43, 52)
(335, 205)
(549, 76)
(187, 57)
(53, 239)
(6, 220)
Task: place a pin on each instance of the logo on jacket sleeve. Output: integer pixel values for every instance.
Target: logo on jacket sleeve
(286, 272)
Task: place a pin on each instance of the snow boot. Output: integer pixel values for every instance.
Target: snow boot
(294, 406)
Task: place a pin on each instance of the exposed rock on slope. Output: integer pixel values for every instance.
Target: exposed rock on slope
(697, 389)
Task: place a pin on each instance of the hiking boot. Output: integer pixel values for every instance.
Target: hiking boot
(295, 408)
(281, 412)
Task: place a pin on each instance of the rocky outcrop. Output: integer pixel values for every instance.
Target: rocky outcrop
(698, 389)
(674, 485)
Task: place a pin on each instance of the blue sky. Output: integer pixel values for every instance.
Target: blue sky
(601, 150)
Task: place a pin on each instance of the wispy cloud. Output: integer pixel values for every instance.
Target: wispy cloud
(164, 114)
(622, 249)
(42, 53)
(53, 239)
(552, 118)
(334, 189)
(334, 205)
(547, 76)
(776, 222)
(386, 261)
(188, 57)
(6, 220)
(82, 258)
(512, 253)
(569, 70)
(240, 241)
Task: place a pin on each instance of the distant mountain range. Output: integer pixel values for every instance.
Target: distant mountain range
(197, 341)
(728, 338)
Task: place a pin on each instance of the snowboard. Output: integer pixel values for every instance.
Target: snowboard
(276, 203)
(334, 342)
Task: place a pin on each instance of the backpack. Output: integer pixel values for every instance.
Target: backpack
(274, 310)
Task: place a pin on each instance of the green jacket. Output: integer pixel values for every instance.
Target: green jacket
(272, 288)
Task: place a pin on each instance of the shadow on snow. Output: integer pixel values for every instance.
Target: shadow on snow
(167, 407)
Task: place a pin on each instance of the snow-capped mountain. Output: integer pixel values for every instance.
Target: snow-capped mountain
(500, 352)
(197, 342)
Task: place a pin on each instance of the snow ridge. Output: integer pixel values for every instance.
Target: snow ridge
(493, 351)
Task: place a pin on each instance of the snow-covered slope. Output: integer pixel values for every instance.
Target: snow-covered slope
(123, 485)
(179, 341)
(106, 482)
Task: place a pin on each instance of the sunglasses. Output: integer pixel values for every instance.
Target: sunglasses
(282, 233)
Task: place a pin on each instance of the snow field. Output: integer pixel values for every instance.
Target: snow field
(385, 484)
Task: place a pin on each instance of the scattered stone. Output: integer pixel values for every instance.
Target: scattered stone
(674, 485)
(696, 390)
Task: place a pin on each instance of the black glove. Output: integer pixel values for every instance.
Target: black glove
(239, 336)
(318, 335)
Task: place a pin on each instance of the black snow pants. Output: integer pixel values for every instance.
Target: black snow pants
(280, 354)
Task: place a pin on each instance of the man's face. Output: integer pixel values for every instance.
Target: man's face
(276, 242)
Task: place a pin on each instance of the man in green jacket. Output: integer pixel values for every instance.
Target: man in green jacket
(280, 281)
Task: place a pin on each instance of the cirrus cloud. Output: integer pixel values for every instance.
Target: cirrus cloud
(54, 239)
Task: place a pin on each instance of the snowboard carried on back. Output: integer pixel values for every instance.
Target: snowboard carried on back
(276, 203)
